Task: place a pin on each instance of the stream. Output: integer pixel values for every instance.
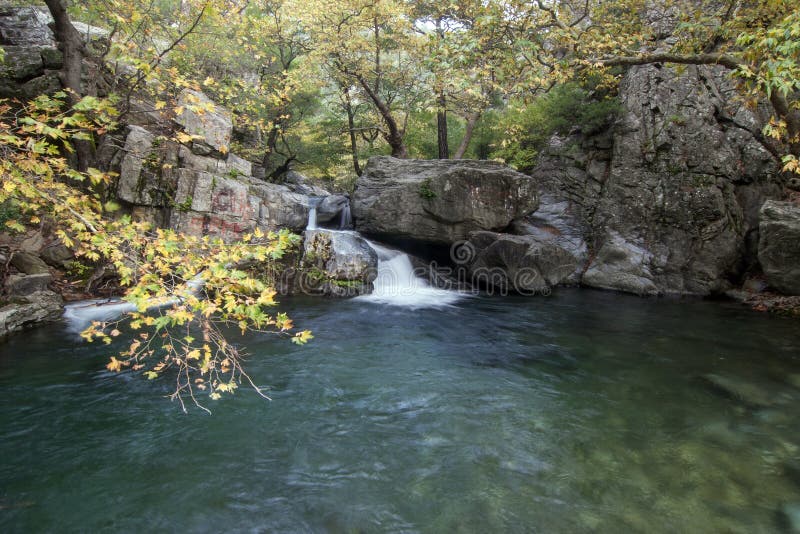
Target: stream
(579, 412)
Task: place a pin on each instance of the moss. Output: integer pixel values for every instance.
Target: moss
(184, 206)
(352, 284)
(425, 190)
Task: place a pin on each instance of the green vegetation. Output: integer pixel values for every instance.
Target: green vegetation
(567, 108)
(425, 190)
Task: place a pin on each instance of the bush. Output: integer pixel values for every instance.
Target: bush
(526, 128)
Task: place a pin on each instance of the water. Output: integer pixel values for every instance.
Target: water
(579, 412)
(313, 204)
(397, 284)
(345, 218)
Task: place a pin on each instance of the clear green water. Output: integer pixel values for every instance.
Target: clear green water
(581, 412)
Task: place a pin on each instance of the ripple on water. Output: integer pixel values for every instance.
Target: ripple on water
(584, 411)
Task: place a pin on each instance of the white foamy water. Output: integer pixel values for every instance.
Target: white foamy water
(398, 285)
(79, 315)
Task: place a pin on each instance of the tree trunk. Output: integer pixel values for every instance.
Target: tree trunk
(272, 146)
(72, 47)
(472, 120)
(351, 125)
(441, 127)
(394, 136)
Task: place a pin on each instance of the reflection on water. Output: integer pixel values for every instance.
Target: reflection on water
(584, 411)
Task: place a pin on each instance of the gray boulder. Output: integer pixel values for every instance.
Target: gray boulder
(340, 264)
(210, 122)
(438, 201)
(779, 245)
(26, 284)
(56, 254)
(522, 264)
(28, 263)
(621, 265)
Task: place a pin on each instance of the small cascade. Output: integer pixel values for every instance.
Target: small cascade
(79, 315)
(313, 204)
(397, 284)
(345, 218)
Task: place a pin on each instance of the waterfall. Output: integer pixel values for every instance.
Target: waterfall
(313, 203)
(398, 285)
(345, 218)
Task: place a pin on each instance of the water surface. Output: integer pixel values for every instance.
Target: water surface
(579, 412)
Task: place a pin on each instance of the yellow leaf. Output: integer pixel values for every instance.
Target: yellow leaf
(160, 104)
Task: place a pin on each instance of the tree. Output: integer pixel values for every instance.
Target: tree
(367, 42)
(186, 290)
(758, 42)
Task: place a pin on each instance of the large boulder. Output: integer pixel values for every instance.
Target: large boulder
(779, 245)
(623, 266)
(438, 201)
(28, 263)
(670, 195)
(340, 264)
(523, 264)
(142, 178)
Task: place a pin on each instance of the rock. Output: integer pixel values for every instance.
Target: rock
(748, 393)
(27, 263)
(779, 245)
(212, 205)
(438, 201)
(25, 284)
(790, 517)
(300, 184)
(682, 182)
(29, 311)
(339, 264)
(22, 63)
(56, 254)
(140, 172)
(231, 166)
(556, 223)
(25, 26)
(523, 264)
(623, 266)
(201, 117)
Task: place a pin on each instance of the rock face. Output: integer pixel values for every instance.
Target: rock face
(509, 263)
(169, 184)
(32, 60)
(340, 264)
(27, 300)
(556, 223)
(211, 124)
(779, 245)
(29, 310)
(669, 197)
(439, 201)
